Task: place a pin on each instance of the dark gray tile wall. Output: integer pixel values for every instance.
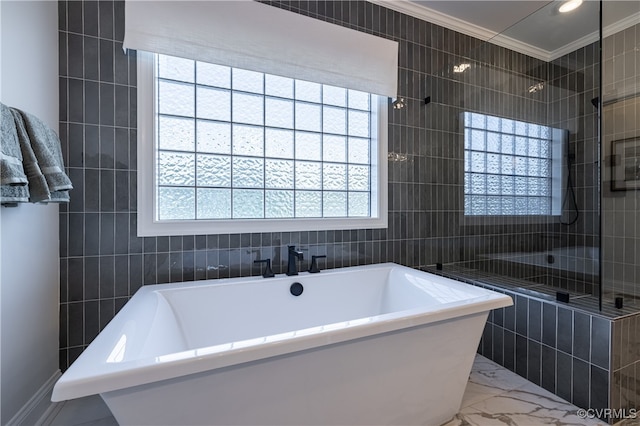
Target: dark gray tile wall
(625, 365)
(103, 262)
(563, 350)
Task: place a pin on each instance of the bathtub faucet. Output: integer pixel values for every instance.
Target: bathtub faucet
(294, 256)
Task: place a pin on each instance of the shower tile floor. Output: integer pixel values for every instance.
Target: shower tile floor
(494, 396)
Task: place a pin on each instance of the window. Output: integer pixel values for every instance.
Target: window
(512, 168)
(233, 150)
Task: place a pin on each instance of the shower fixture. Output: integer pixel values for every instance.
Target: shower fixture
(536, 87)
(398, 103)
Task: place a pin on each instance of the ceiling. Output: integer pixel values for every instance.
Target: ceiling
(532, 27)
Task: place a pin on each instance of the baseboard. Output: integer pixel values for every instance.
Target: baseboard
(38, 410)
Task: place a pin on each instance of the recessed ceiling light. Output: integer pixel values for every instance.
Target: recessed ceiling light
(569, 5)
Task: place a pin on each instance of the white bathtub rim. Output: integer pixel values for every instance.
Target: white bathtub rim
(83, 380)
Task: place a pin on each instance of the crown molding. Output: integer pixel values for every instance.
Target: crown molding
(430, 15)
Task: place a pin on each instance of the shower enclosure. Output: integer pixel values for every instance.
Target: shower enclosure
(547, 130)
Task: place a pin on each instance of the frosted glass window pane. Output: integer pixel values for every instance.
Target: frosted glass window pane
(478, 204)
(248, 203)
(493, 123)
(508, 164)
(493, 163)
(278, 143)
(334, 148)
(214, 170)
(248, 140)
(247, 81)
(493, 205)
(478, 121)
(545, 150)
(214, 203)
(508, 206)
(176, 133)
(521, 128)
(545, 132)
(358, 150)
(176, 203)
(308, 175)
(545, 168)
(507, 144)
(358, 123)
(478, 183)
(214, 137)
(508, 185)
(248, 172)
(521, 165)
(493, 184)
(248, 109)
(175, 98)
(334, 120)
(307, 91)
(334, 96)
(175, 168)
(534, 147)
(521, 185)
(278, 86)
(534, 205)
(522, 146)
(467, 206)
(358, 100)
(478, 140)
(534, 167)
(532, 186)
(308, 117)
(334, 176)
(534, 130)
(308, 146)
(478, 162)
(175, 68)
(545, 206)
(214, 104)
(467, 182)
(493, 142)
(521, 206)
(278, 204)
(279, 174)
(358, 178)
(334, 204)
(507, 125)
(279, 113)
(467, 139)
(308, 203)
(544, 188)
(358, 204)
(213, 75)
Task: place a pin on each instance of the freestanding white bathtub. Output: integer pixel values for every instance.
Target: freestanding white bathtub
(377, 344)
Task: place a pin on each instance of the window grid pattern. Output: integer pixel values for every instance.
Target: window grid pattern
(507, 166)
(237, 144)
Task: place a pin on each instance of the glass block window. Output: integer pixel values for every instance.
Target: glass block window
(508, 167)
(237, 144)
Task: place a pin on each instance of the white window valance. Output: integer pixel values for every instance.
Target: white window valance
(258, 37)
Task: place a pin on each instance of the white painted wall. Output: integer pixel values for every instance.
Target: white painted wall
(29, 254)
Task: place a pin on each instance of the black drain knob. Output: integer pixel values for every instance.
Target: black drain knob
(296, 289)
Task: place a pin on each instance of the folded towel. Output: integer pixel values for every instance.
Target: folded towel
(38, 188)
(9, 195)
(46, 147)
(11, 171)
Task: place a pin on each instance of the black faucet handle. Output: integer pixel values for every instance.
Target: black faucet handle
(268, 273)
(313, 269)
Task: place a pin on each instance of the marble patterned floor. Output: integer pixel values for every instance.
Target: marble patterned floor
(494, 396)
